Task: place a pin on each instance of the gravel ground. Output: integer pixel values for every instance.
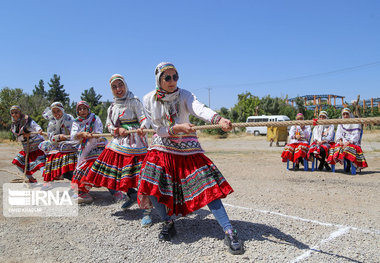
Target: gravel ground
(282, 216)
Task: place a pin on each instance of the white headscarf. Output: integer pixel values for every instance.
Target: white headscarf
(119, 102)
(55, 125)
(319, 129)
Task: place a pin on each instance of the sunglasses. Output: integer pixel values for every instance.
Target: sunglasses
(168, 78)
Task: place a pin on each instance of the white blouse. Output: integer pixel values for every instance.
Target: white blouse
(305, 133)
(348, 133)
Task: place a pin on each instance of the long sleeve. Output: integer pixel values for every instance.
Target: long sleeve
(111, 128)
(339, 133)
(139, 111)
(162, 131)
(98, 126)
(330, 136)
(75, 129)
(198, 109)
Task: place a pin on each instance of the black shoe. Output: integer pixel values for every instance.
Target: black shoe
(235, 245)
(320, 166)
(328, 168)
(167, 232)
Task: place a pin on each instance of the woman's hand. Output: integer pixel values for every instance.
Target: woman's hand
(62, 137)
(184, 127)
(226, 124)
(84, 135)
(123, 132)
(140, 131)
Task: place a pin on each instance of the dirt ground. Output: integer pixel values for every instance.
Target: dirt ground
(336, 215)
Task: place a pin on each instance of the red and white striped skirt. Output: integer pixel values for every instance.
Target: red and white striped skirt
(352, 152)
(183, 183)
(293, 151)
(115, 171)
(36, 160)
(59, 164)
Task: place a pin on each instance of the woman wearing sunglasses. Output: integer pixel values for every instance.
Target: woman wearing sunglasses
(176, 174)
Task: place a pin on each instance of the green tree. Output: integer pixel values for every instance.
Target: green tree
(8, 98)
(246, 106)
(40, 89)
(91, 97)
(57, 92)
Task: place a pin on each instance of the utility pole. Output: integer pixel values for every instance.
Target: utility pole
(209, 97)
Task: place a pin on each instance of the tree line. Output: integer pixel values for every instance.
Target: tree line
(248, 105)
(34, 104)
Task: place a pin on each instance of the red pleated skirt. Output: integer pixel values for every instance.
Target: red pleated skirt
(115, 171)
(316, 150)
(59, 164)
(79, 177)
(183, 184)
(293, 151)
(352, 152)
(36, 160)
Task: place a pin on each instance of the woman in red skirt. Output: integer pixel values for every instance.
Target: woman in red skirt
(61, 152)
(323, 138)
(347, 145)
(298, 146)
(176, 174)
(22, 126)
(118, 166)
(84, 126)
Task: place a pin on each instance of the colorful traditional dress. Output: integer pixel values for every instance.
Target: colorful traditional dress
(61, 157)
(89, 149)
(36, 158)
(118, 166)
(350, 133)
(321, 133)
(175, 170)
(297, 148)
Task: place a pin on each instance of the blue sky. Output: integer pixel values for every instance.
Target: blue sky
(264, 47)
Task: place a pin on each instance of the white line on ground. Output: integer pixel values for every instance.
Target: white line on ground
(333, 235)
(375, 231)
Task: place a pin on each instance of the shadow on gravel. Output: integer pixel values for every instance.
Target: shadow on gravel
(102, 198)
(196, 226)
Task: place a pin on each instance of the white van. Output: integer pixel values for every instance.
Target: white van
(262, 130)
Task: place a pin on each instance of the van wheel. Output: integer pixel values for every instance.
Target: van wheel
(256, 133)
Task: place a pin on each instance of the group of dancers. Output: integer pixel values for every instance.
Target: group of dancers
(328, 146)
(172, 174)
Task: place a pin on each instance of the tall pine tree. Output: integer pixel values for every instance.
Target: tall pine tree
(40, 89)
(91, 97)
(57, 92)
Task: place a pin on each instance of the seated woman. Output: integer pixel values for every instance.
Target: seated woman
(61, 152)
(22, 126)
(347, 145)
(322, 138)
(298, 146)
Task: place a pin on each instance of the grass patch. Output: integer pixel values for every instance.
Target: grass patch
(6, 136)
